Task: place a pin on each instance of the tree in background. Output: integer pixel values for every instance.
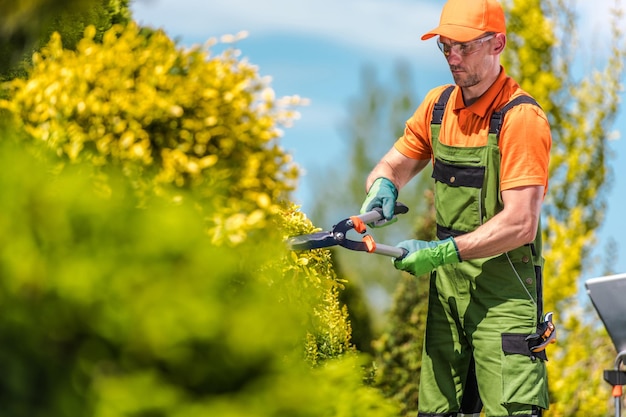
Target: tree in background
(377, 119)
(541, 55)
(398, 357)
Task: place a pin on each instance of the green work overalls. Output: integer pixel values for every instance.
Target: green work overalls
(480, 311)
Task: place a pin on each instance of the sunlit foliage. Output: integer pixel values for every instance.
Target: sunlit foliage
(151, 208)
(112, 310)
(168, 116)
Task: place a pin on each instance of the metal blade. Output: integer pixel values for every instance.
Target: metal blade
(312, 241)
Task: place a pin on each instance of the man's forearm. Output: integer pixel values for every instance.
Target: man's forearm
(513, 227)
(397, 168)
(381, 170)
(492, 238)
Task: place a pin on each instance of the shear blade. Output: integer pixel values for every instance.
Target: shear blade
(312, 241)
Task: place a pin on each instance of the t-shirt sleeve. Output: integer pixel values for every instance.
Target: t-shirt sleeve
(525, 142)
(416, 142)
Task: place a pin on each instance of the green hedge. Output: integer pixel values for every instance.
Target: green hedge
(143, 266)
(111, 310)
(168, 116)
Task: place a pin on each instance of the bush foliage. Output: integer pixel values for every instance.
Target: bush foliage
(143, 267)
(168, 116)
(111, 310)
(28, 25)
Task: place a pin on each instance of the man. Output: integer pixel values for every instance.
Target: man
(485, 303)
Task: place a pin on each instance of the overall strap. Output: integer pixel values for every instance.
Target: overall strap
(440, 106)
(498, 117)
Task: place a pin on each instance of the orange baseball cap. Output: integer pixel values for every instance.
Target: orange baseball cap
(465, 20)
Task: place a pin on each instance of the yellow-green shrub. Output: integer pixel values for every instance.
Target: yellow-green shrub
(177, 119)
(196, 130)
(110, 310)
(312, 272)
(168, 116)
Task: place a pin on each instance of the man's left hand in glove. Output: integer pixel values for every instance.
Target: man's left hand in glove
(423, 256)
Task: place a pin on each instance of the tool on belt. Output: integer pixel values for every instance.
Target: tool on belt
(545, 334)
(338, 236)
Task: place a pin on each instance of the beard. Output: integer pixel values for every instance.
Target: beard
(464, 79)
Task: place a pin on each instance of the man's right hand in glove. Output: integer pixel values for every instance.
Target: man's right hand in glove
(382, 194)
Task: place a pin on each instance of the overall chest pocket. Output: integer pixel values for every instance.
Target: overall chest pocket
(458, 192)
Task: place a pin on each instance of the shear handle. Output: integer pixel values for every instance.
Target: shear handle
(393, 251)
(376, 215)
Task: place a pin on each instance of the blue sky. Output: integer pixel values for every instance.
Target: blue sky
(317, 48)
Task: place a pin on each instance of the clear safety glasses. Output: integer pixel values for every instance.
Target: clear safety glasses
(463, 48)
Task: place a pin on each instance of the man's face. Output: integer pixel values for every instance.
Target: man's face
(468, 61)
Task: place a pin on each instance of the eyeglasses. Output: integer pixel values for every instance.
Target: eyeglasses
(463, 48)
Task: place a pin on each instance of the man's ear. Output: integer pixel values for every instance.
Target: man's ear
(499, 43)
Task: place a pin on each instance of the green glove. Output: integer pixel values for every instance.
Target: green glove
(382, 194)
(423, 257)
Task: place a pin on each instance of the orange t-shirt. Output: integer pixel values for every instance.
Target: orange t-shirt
(525, 138)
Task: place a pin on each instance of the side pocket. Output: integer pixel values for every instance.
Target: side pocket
(515, 343)
(524, 376)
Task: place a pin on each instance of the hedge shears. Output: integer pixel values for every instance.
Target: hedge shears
(338, 236)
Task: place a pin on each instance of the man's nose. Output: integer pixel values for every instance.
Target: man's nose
(453, 57)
